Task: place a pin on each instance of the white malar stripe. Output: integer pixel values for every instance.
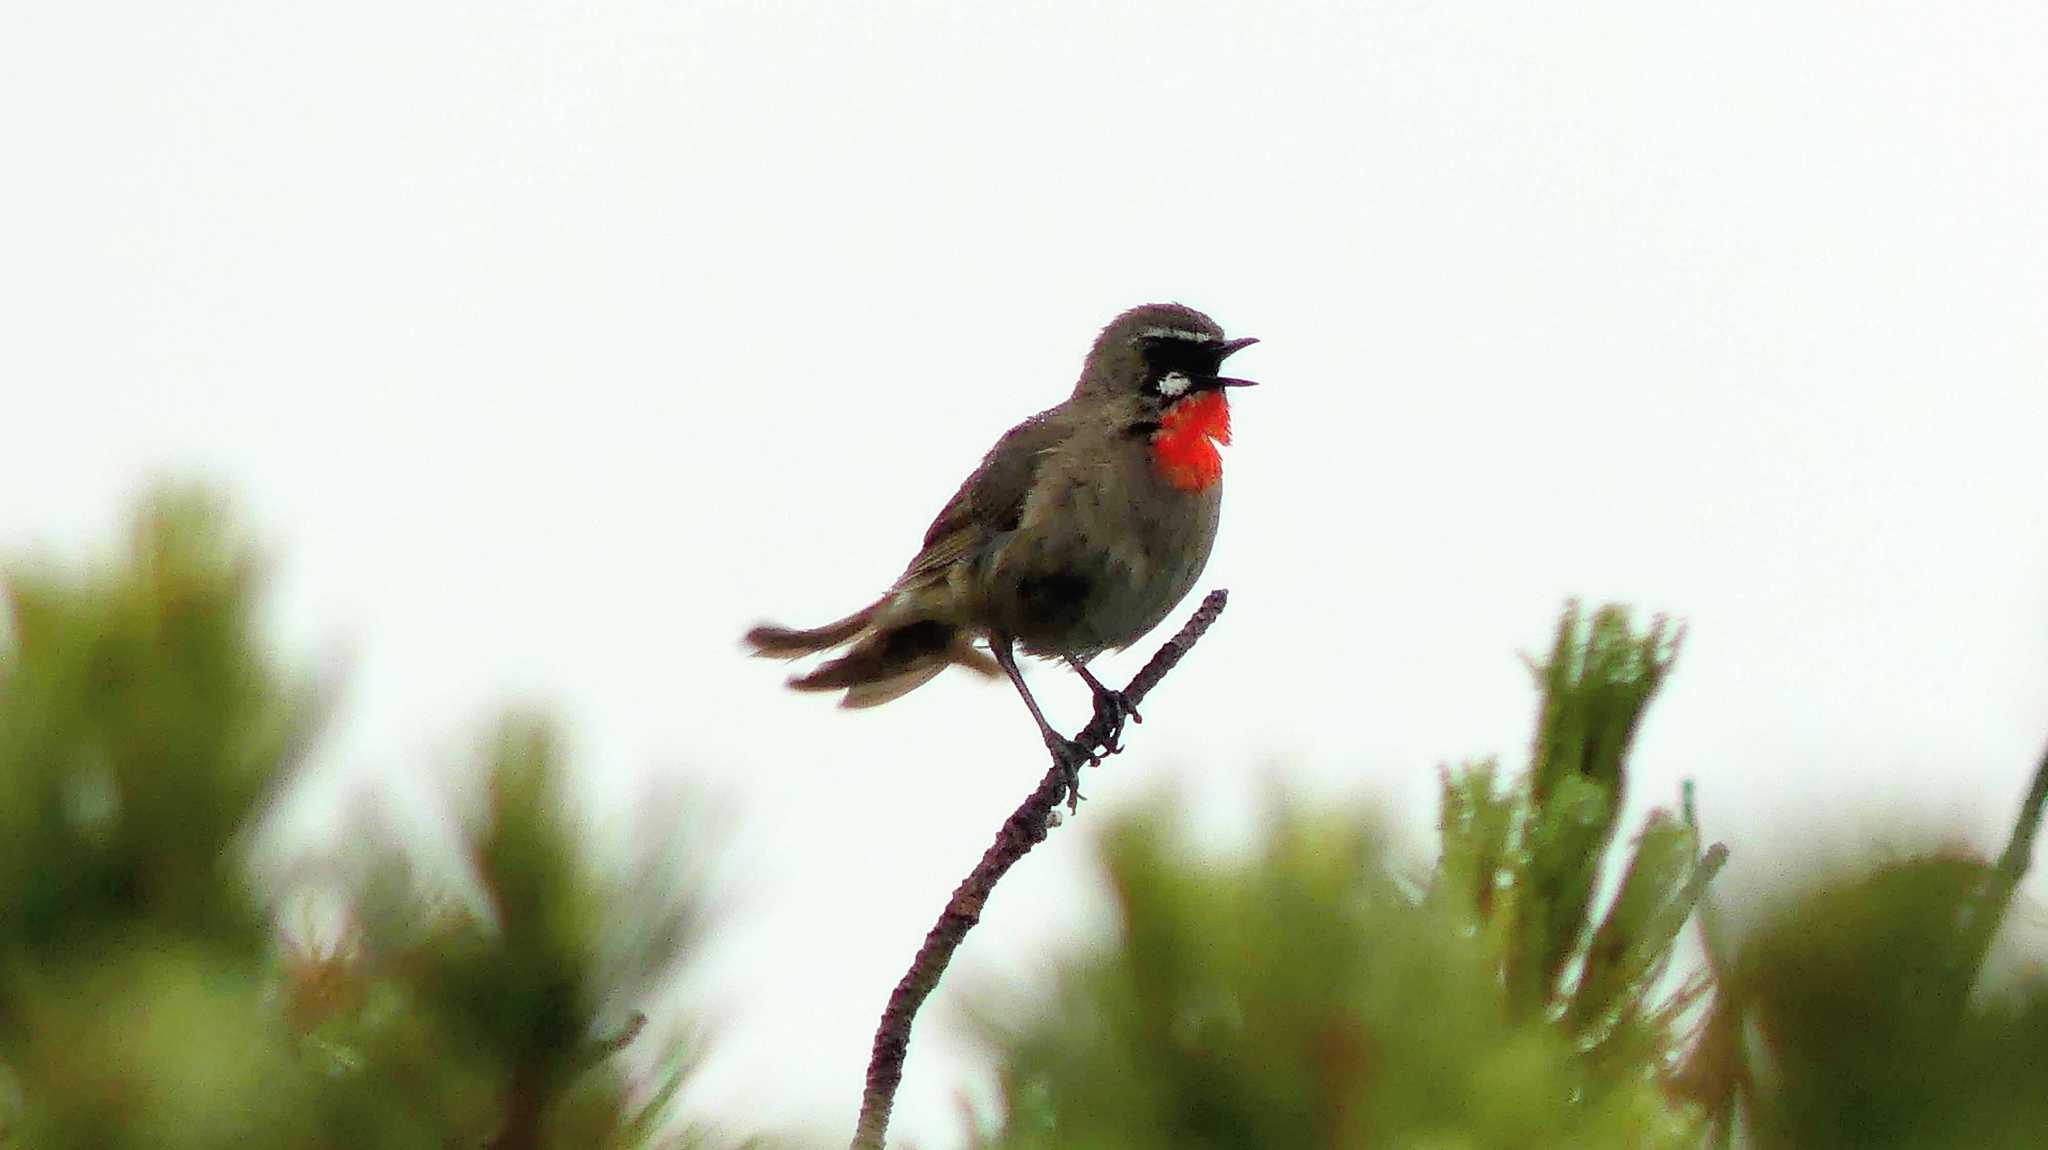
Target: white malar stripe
(1172, 384)
(1179, 333)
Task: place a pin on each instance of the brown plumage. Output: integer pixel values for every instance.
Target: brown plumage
(887, 659)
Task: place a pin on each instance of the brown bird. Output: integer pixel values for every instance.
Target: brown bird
(1082, 528)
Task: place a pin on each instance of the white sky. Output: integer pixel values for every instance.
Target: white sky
(548, 348)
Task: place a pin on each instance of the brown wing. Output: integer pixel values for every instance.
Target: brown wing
(991, 501)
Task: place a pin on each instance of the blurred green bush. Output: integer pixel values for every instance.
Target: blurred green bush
(1318, 993)
(1528, 987)
(146, 998)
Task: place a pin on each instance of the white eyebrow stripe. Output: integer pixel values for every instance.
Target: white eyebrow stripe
(1178, 333)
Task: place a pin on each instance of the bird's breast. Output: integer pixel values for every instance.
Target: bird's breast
(1184, 448)
(1117, 540)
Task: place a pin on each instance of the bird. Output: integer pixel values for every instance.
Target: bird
(1079, 532)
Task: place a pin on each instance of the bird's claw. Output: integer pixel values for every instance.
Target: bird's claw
(1110, 709)
(1070, 756)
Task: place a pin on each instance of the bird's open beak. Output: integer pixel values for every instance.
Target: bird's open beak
(1225, 350)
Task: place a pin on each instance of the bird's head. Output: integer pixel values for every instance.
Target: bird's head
(1159, 369)
(1162, 353)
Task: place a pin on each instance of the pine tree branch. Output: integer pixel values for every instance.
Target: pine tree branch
(2005, 877)
(1025, 828)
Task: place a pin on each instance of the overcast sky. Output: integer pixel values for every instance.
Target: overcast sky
(547, 346)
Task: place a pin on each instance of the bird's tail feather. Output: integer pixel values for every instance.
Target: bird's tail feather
(884, 663)
(789, 643)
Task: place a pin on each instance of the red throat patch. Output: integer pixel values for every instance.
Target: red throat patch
(1184, 447)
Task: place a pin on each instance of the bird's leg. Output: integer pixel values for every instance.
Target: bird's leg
(1068, 754)
(1111, 705)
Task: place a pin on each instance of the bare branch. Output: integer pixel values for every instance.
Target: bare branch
(1024, 829)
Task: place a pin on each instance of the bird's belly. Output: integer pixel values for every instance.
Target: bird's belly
(1099, 571)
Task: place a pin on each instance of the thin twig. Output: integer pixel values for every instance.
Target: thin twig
(2005, 878)
(1024, 829)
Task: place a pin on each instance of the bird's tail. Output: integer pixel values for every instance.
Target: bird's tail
(787, 643)
(887, 658)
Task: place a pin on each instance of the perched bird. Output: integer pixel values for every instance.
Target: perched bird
(1082, 528)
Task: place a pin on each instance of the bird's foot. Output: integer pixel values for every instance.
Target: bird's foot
(1070, 756)
(1110, 709)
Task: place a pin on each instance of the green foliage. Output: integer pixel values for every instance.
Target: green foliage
(1311, 996)
(1523, 864)
(140, 725)
(1301, 998)
(145, 997)
(479, 1019)
(1596, 685)
(1849, 1019)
